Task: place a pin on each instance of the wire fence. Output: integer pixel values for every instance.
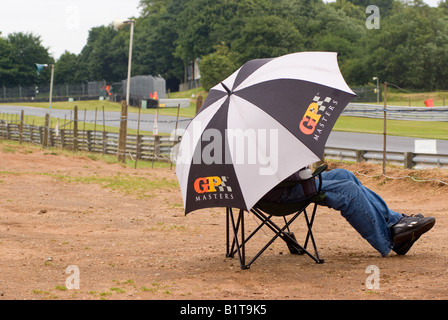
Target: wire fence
(81, 91)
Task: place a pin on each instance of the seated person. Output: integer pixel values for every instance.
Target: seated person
(366, 211)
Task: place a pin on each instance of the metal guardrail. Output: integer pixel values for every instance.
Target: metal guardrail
(407, 160)
(396, 112)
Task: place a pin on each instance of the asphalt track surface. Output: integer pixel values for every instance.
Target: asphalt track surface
(167, 124)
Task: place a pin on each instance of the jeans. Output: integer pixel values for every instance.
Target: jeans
(366, 211)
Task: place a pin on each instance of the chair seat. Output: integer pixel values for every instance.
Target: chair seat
(284, 209)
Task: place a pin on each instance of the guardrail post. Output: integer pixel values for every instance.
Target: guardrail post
(360, 155)
(408, 160)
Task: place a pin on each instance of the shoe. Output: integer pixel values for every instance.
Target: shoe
(408, 230)
(403, 248)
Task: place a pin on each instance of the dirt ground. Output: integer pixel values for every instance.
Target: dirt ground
(57, 227)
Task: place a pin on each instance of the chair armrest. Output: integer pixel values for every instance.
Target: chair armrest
(319, 170)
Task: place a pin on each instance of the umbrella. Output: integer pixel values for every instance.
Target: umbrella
(257, 127)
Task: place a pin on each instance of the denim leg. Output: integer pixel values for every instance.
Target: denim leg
(362, 208)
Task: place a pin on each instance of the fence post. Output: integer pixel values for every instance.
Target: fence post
(157, 146)
(21, 128)
(46, 131)
(41, 135)
(89, 140)
(198, 104)
(122, 137)
(75, 128)
(62, 133)
(104, 133)
(104, 142)
(139, 146)
(31, 129)
(8, 131)
(50, 137)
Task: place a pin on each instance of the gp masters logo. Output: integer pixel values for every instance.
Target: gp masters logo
(212, 188)
(316, 116)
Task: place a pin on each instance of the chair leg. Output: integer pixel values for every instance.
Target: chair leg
(310, 233)
(290, 241)
(240, 249)
(291, 247)
(237, 244)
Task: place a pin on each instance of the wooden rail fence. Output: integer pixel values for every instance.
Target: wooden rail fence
(137, 146)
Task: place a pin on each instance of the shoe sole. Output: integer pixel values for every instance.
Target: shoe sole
(403, 250)
(414, 233)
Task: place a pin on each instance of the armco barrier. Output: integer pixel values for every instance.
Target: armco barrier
(407, 160)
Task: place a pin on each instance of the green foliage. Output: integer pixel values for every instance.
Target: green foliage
(217, 66)
(18, 55)
(409, 49)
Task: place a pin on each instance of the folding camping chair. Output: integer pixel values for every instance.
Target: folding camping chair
(265, 211)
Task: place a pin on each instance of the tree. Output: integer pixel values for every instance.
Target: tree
(217, 66)
(266, 37)
(27, 50)
(155, 44)
(410, 48)
(66, 69)
(7, 67)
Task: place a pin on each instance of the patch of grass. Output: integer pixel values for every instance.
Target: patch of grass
(8, 150)
(416, 129)
(415, 99)
(105, 293)
(126, 184)
(61, 288)
(45, 294)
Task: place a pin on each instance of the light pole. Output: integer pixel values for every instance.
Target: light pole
(41, 67)
(119, 23)
(377, 89)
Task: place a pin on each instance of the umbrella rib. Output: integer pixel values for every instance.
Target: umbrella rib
(227, 89)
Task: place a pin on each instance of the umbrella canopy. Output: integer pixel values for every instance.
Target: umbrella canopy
(257, 127)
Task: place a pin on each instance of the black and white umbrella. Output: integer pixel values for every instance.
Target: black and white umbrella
(264, 122)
